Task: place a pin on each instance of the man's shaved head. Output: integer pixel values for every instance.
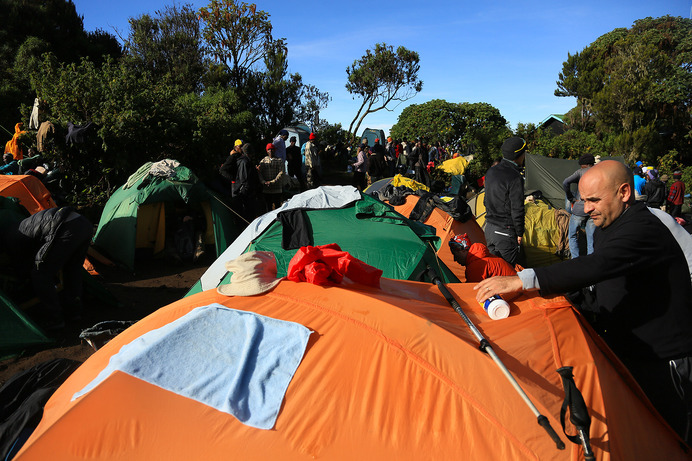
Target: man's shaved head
(607, 189)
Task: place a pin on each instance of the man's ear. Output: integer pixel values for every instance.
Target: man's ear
(625, 192)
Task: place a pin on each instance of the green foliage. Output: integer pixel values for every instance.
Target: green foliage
(380, 77)
(439, 176)
(569, 145)
(168, 45)
(634, 88)
(31, 27)
(279, 99)
(137, 119)
(237, 35)
(162, 99)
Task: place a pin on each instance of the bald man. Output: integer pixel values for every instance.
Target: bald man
(640, 281)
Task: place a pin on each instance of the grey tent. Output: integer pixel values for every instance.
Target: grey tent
(546, 174)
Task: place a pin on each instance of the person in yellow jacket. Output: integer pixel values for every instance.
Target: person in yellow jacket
(12, 146)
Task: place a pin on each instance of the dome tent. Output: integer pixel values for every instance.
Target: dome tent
(388, 373)
(134, 216)
(362, 225)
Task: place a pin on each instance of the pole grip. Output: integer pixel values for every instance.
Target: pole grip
(543, 421)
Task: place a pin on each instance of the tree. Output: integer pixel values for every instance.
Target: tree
(380, 77)
(470, 127)
(237, 34)
(279, 99)
(33, 27)
(137, 119)
(168, 44)
(634, 88)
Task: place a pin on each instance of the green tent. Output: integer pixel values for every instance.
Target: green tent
(360, 224)
(17, 332)
(135, 215)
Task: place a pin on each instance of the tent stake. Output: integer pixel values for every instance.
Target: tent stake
(486, 347)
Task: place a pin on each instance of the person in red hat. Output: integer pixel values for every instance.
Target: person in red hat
(271, 170)
(312, 162)
(479, 262)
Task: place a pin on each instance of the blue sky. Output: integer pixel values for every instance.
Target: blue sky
(507, 54)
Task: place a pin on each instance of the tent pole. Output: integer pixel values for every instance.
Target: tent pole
(486, 347)
(231, 209)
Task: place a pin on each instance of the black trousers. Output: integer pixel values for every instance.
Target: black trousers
(502, 242)
(668, 384)
(67, 252)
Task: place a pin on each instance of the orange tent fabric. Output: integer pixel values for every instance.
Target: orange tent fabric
(446, 227)
(390, 373)
(30, 191)
(12, 146)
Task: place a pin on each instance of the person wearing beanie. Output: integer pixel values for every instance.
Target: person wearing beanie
(244, 188)
(676, 195)
(654, 189)
(270, 171)
(578, 219)
(229, 168)
(504, 202)
(312, 162)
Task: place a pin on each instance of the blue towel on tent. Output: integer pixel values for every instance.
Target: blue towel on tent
(235, 361)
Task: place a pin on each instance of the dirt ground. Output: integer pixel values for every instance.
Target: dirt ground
(155, 284)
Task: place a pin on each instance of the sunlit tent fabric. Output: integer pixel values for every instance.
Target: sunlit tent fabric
(390, 373)
(361, 225)
(477, 205)
(542, 237)
(446, 227)
(134, 216)
(30, 191)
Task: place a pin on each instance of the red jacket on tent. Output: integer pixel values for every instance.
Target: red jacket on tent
(481, 264)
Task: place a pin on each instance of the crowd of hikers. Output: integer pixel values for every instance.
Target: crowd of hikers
(256, 187)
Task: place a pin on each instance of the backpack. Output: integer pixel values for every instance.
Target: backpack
(229, 169)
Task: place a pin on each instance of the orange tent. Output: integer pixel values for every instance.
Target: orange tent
(30, 191)
(389, 373)
(446, 227)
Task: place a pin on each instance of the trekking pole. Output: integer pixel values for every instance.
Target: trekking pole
(578, 413)
(487, 348)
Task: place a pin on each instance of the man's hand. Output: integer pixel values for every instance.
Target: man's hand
(497, 286)
(518, 240)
